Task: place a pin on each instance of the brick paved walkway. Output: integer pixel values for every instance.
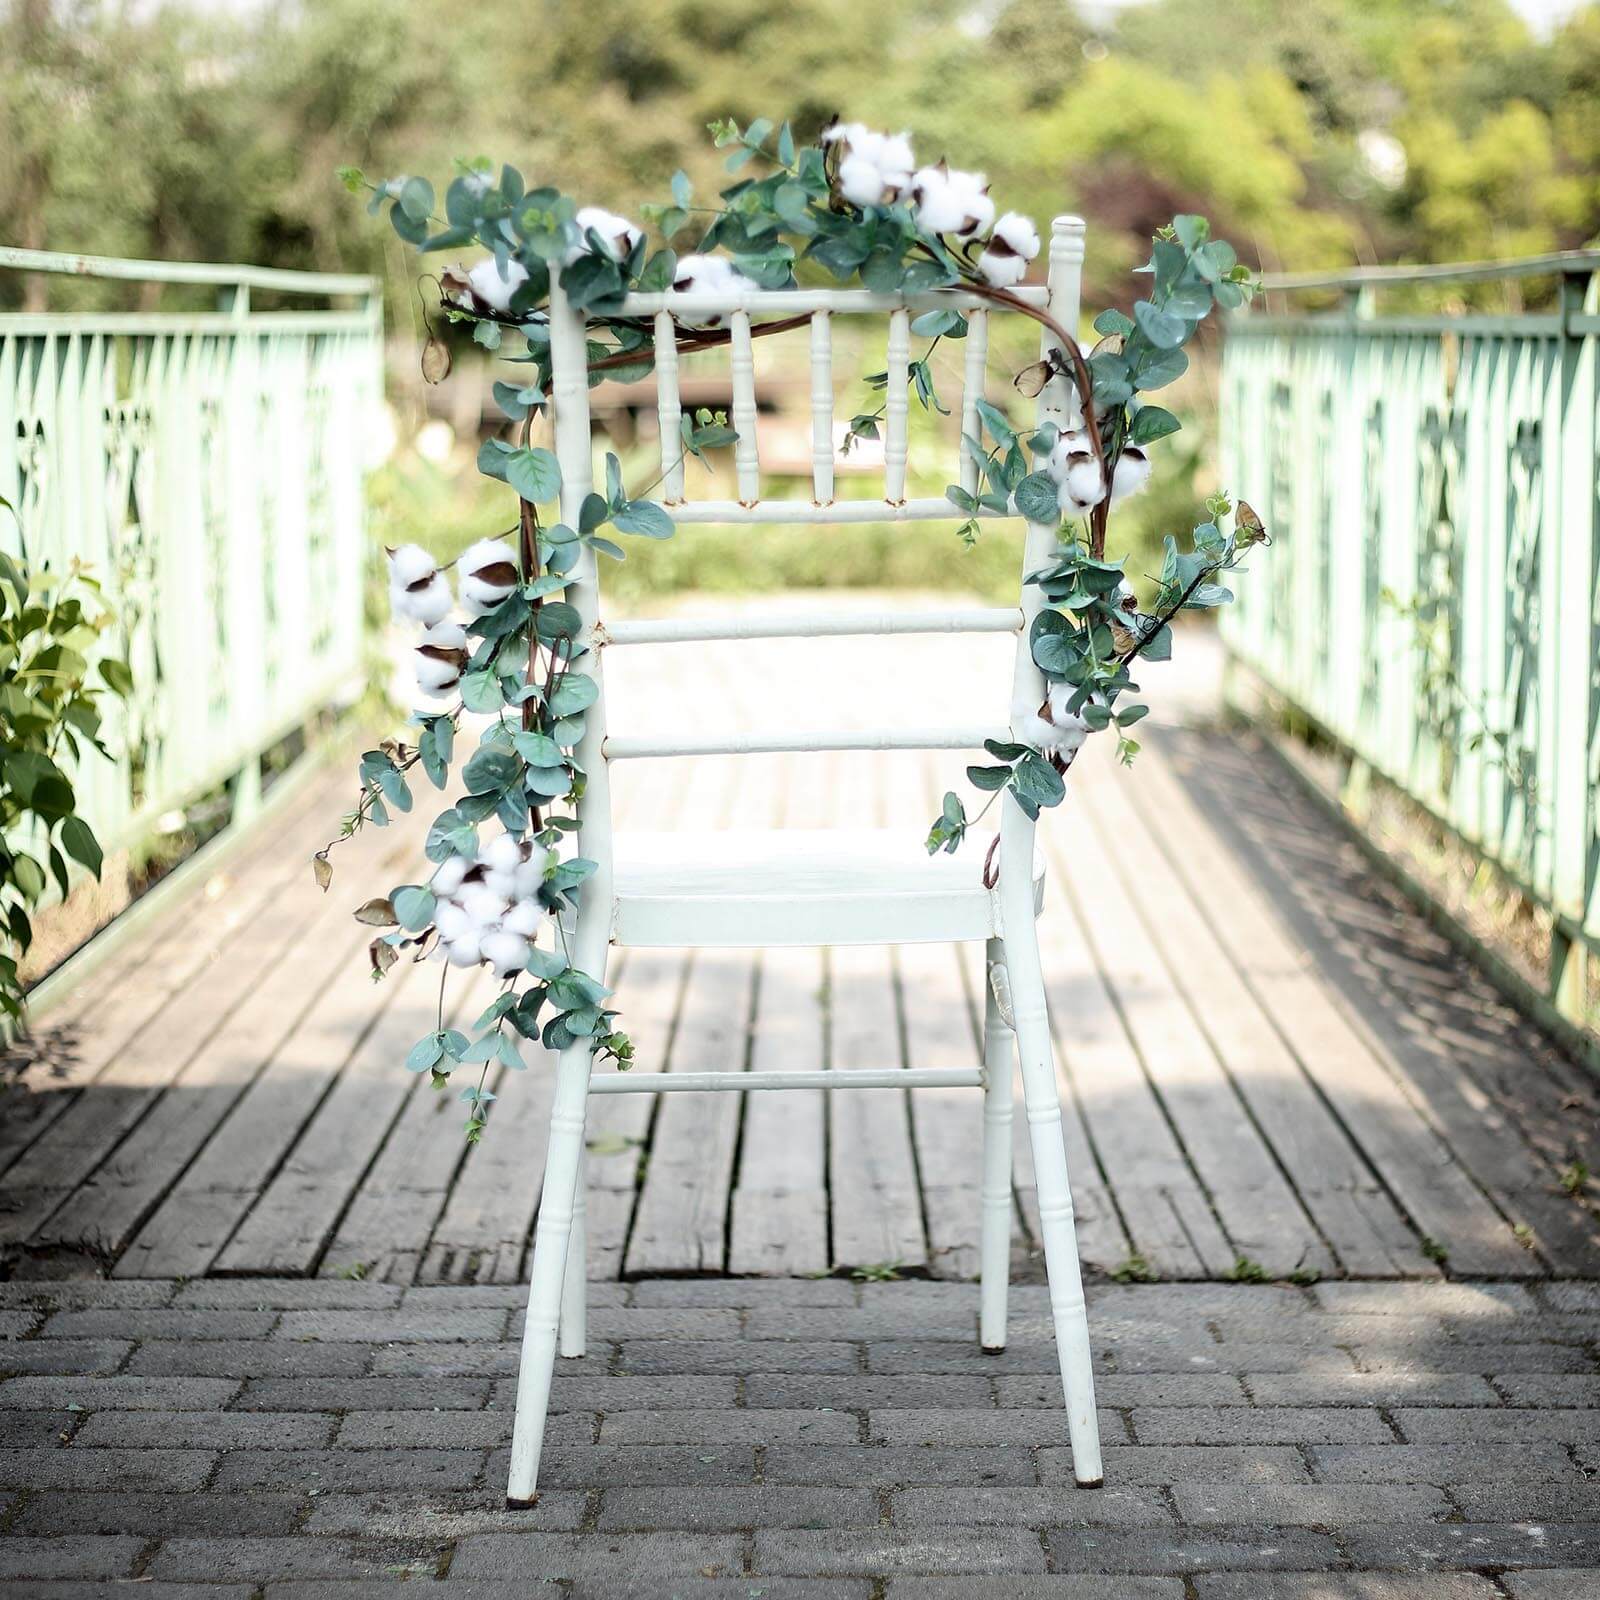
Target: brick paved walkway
(800, 1440)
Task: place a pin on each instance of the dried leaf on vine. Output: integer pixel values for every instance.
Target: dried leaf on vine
(377, 913)
(322, 867)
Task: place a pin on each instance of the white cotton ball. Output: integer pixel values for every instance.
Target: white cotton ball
(529, 876)
(940, 208)
(1083, 484)
(1001, 270)
(525, 917)
(860, 180)
(1030, 728)
(445, 636)
(428, 603)
(489, 573)
(1069, 721)
(484, 908)
(463, 950)
(504, 884)
(1012, 245)
(437, 675)
(895, 160)
(1131, 473)
(698, 274)
(1018, 234)
(491, 288)
(451, 921)
(618, 234)
(848, 132)
(410, 564)
(970, 191)
(448, 877)
(506, 953)
(503, 853)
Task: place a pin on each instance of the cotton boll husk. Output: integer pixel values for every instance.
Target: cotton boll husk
(860, 180)
(434, 676)
(1131, 474)
(429, 604)
(449, 876)
(451, 921)
(506, 953)
(491, 288)
(409, 564)
(525, 917)
(503, 853)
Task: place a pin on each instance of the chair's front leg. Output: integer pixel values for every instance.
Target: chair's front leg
(551, 1237)
(575, 1287)
(994, 1251)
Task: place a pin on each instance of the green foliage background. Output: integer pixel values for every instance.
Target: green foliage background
(166, 131)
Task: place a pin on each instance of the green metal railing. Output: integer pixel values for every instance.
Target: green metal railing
(1433, 601)
(207, 466)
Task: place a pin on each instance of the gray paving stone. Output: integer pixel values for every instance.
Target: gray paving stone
(1567, 1297)
(141, 1323)
(409, 1325)
(1035, 1588)
(887, 1466)
(1236, 1425)
(394, 1589)
(250, 1358)
(122, 1393)
(19, 1322)
(729, 1427)
(1344, 1586)
(853, 1552)
(655, 1556)
(1559, 1584)
(1438, 1463)
(658, 1322)
(1431, 1427)
(1490, 1301)
(861, 1391)
(70, 1468)
(600, 1391)
(117, 1589)
(958, 1356)
(717, 1589)
(1315, 1505)
(737, 1355)
(1026, 1507)
(159, 1516)
(862, 1322)
(1198, 1302)
(442, 1430)
(1168, 1464)
(258, 1560)
(1479, 1358)
(67, 1356)
(635, 1466)
(1475, 1546)
(205, 1430)
(363, 1394)
(1190, 1550)
(1529, 1499)
(1127, 1389)
(1239, 1356)
(66, 1294)
(287, 1294)
(1371, 1389)
(513, 1296)
(492, 1360)
(733, 1506)
(397, 1514)
(27, 1430)
(984, 1427)
(78, 1556)
(325, 1471)
(1549, 1389)
(744, 1292)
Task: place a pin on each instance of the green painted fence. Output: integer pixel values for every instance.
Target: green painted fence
(1433, 601)
(207, 465)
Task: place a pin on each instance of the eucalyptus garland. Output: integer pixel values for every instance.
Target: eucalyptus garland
(503, 644)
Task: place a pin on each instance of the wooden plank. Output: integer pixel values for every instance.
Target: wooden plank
(1352, 1211)
(1414, 1162)
(1257, 1208)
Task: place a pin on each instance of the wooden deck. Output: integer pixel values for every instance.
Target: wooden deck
(1269, 1063)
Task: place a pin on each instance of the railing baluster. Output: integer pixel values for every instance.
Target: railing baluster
(822, 408)
(669, 409)
(747, 464)
(972, 393)
(896, 406)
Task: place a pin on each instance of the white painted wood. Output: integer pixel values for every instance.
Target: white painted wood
(669, 408)
(925, 509)
(822, 407)
(776, 303)
(896, 408)
(972, 393)
(746, 462)
(811, 625)
(574, 1330)
(999, 1054)
(835, 1078)
(749, 744)
(799, 887)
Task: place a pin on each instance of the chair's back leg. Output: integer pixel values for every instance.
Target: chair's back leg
(575, 1286)
(994, 1249)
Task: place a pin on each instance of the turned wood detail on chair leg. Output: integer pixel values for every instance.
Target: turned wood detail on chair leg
(999, 1056)
(574, 1334)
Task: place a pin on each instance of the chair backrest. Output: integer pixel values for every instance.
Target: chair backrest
(818, 307)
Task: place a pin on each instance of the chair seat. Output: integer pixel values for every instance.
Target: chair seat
(801, 887)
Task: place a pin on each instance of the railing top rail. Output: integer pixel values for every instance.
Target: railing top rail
(806, 302)
(202, 272)
(1556, 262)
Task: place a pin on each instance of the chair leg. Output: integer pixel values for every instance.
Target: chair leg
(999, 1057)
(550, 1243)
(1067, 1307)
(574, 1339)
